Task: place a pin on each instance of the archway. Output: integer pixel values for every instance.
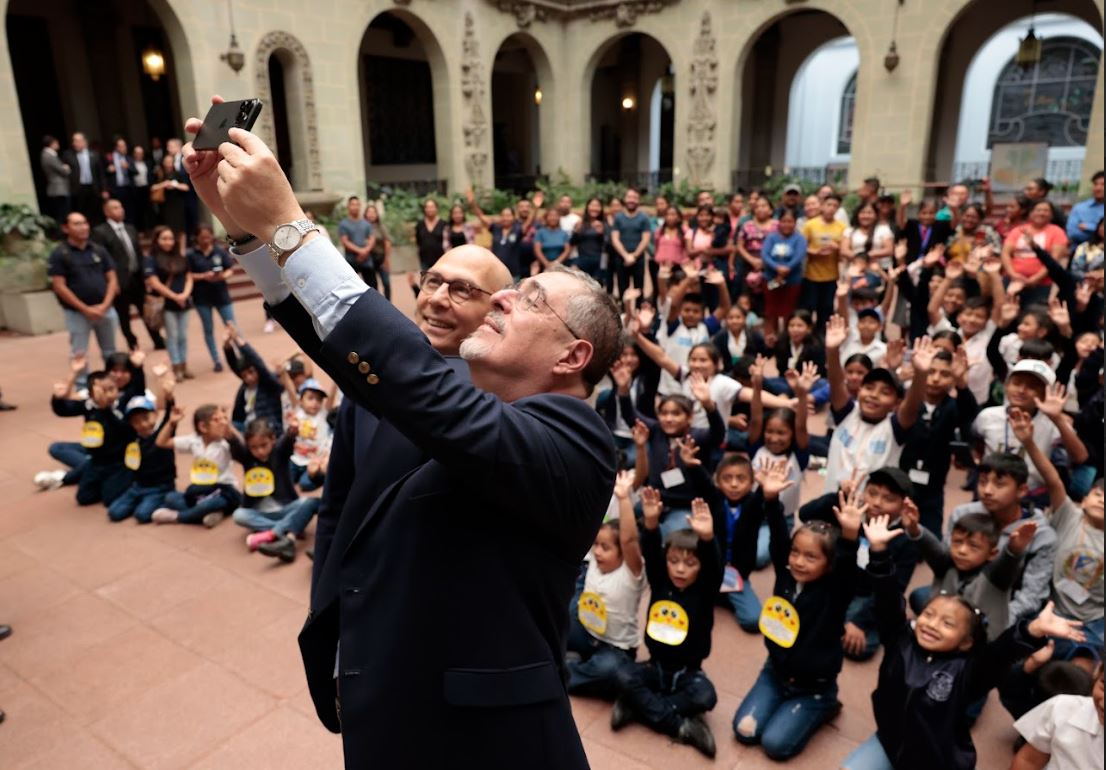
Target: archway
(285, 83)
(522, 80)
(633, 109)
(767, 71)
(404, 103)
(80, 67)
(983, 38)
(820, 111)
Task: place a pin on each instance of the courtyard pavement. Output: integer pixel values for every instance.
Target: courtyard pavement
(172, 647)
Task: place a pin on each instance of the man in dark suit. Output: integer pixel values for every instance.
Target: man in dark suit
(444, 642)
(119, 172)
(86, 178)
(121, 241)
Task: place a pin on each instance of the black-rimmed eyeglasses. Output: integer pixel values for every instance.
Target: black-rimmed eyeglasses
(459, 291)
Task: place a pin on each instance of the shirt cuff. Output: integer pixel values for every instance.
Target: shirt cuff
(323, 282)
(259, 265)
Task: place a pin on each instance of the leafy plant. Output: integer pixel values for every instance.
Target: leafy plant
(20, 219)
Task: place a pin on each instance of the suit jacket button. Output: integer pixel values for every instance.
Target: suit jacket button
(353, 358)
(363, 367)
(372, 379)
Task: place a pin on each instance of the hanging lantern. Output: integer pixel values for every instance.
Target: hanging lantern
(1029, 51)
(537, 96)
(153, 62)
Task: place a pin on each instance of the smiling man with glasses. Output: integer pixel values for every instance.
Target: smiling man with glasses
(436, 637)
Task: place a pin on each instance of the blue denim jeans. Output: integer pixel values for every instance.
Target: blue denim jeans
(782, 717)
(195, 502)
(868, 756)
(80, 329)
(72, 455)
(293, 517)
(102, 483)
(207, 320)
(663, 699)
(778, 386)
(300, 476)
(746, 607)
(176, 335)
(137, 501)
(596, 673)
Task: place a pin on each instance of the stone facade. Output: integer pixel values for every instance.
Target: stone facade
(708, 42)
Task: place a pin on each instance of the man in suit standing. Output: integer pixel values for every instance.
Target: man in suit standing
(121, 242)
(450, 602)
(119, 172)
(191, 202)
(86, 178)
(57, 179)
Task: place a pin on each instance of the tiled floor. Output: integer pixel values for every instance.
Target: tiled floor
(172, 647)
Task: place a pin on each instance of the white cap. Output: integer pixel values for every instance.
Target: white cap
(1039, 369)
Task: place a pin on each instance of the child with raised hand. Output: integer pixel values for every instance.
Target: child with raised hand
(270, 506)
(736, 505)
(782, 435)
(96, 462)
(1077, 584)
(796, 691)
(313, 433)
(1064, 732)
(605, 631)
(671, 692)
(259, 394)
(932, 673)
(971, 565)
(154, 467)
(213, 490)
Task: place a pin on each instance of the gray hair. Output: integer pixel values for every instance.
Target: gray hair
(594, 316)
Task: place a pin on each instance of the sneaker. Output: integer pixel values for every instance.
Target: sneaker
(270, 326)
(213, 519)
(283, 548)
(695, 732)
(164, 516)
(255, 539)
(218, 366)
(47, 480)
(621, 714)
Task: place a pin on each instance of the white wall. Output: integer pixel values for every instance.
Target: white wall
(814, 118)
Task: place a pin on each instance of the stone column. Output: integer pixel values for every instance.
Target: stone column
(700, 161)
(1092, 161)
(476, 109)
(16, 182)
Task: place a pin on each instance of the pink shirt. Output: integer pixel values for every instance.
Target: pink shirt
(670, 248)
(1025, 260)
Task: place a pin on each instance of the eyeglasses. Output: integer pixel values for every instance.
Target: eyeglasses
(531, 296)
(460, 291)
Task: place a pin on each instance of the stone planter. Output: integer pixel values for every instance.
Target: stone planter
(36, 312)
(19, 275)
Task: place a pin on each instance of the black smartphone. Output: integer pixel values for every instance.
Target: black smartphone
(221, 118)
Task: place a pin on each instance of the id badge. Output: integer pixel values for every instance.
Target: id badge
(672, 478)
(918, 476)
(1072, 590)
(204, 472)
(92, 435)
(132, 458)
(731, 581)
(779, 621)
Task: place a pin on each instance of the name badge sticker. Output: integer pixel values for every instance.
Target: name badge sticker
(779, 621)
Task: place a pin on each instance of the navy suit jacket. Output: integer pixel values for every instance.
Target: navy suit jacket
(449, 593)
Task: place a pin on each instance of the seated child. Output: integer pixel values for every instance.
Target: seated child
(270, 506)
(213, 490)
(671, 692)
(933, 672)
(1034, 325)
(313, 434)
(737, 501)
(1064, 733)
(130, 379)
(971, 565)
(782, 434)
(866, 336)
(96, 462)
(796, 691)
(605, 630)
(154, 467)
(260, 392)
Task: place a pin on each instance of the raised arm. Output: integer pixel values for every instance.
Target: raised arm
(756, 404)
(1021, 425)
(835, 336)
(657, 354)
(627, 524)
(164, 438)
(924, 350)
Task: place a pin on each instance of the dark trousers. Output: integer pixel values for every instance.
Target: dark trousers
(87, 200)
(596, 673)
(58, 207)
(817, 297)
(199, 500)
(102, 483)
(133, 295)
(663, 699)
(626, 272)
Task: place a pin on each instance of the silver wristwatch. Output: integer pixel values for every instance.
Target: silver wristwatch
(288, 237)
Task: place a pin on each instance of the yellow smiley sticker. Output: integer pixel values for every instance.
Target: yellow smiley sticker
(779, 621)
(132, 458)
(92, 435)
(204, 472)
(307, 429)
(259, 482)
(667, 623)
(592, 612)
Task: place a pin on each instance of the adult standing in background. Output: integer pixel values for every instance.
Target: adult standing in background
(143, 178)
(356, 236)
(86, 178)
(629, 239)
(429, 239)
(57, 179)
(119, 173)
(211, 266)
(170, 190)
(1085, 215)
(120, 240)
(381, 252)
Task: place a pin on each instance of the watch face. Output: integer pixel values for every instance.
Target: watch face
(286, 237)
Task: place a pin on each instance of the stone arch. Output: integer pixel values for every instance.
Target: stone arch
(545, 80)
(299, 82)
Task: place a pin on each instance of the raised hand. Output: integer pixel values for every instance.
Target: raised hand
(631, 295)
(176, 414)
(1010, 309)
(1053, 405)
(700, 388)
(1021, 424)
(772, 478)
(756, 371)
(700, 520)
(623, 484)
(689, 452)
(974, 261)
(954, 270)
(807, 377)
(714, 276)
(850, 512)
(1058, 314)
(137, 358)
(1014, 287)
(651, 507)
(1048, 623)
(640, 433)
(645, 316)
(879, 534)
(1040, 657)
(792, 378)
(910, 518)
(1083, 294)
(836, 332)
(842, 286)
(906, 198)
(61, 389)
(1021, 537)
(922, 358)
(960, 364)
(992, 263)
(901, 250)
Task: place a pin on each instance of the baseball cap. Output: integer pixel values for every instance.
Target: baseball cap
(792, 188)
(140, 403)
(879, 374)
(1039, 369)
(894, 478)
(311, 384)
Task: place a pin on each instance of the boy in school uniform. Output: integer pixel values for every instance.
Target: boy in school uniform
(213, 489)
(259, 394)
(154, 467)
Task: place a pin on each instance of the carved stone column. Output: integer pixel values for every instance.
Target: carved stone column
(474, 106)
(703, 116)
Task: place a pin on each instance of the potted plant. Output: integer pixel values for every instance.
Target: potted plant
(24, 248)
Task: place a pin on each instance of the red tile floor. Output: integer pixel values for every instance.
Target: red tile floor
(172, 647)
